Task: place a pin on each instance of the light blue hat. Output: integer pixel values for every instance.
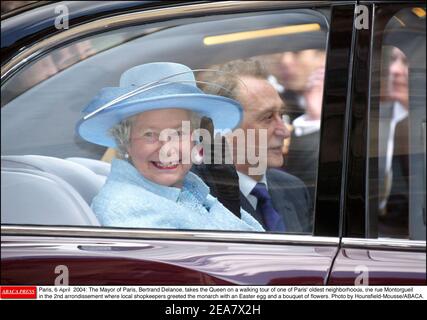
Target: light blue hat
(151, 86)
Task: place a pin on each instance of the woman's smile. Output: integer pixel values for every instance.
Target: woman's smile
(165, 166)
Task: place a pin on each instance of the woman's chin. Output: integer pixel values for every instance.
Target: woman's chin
(171, 176)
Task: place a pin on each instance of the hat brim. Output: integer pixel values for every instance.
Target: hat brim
(224, 112)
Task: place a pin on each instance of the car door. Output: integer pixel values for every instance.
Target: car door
(385, 228)
(46, 83)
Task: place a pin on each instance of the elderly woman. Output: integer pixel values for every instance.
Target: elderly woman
(150, 184)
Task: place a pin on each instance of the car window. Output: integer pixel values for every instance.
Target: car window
(397, 122)
(62, 58)
(43, 102)
(299, 77)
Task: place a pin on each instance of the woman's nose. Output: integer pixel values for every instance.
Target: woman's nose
(168, 151)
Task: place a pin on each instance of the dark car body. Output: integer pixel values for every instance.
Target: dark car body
(342, 249)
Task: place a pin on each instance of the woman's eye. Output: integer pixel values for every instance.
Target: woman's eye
(148, 134)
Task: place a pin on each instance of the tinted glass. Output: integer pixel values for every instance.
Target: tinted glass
(44, 101)
(398, 117)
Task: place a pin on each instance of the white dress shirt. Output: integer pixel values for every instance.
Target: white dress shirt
(399, 113)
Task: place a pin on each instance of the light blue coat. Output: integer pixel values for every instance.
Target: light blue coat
(129, 200)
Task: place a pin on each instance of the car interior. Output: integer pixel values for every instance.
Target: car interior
(49, 175)
(47, 158)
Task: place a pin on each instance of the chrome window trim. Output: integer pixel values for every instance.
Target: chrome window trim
(220, 7)
(384, 244)
(174, 235)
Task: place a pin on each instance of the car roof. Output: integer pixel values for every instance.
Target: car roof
(23, 26)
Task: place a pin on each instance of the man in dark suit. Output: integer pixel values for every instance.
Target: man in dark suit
(279, 201)
(302, 156)
(290, 72)
(393, 147)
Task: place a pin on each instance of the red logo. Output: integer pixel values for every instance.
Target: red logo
(18, 292)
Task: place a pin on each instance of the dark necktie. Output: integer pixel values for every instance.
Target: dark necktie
(272, 219)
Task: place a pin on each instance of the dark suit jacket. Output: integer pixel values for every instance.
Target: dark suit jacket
(398, 202)
(290, 199)
(395, 217)
(293, 104)
(302, 159)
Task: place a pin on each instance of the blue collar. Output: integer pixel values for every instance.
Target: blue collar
(125, 172)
